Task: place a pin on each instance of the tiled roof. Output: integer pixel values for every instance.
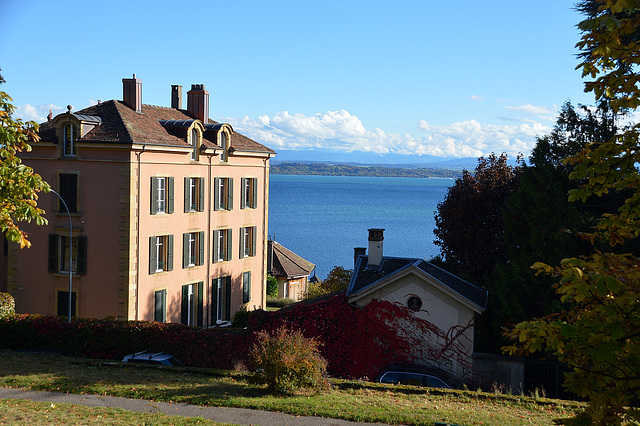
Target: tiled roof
(122, 125)
(288, 264)
(364, 277)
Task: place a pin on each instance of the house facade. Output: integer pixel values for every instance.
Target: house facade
(169, 214)
(448, 303)
(291, 271)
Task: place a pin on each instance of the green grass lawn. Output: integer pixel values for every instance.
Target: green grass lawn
(20, 412)
(350, 400)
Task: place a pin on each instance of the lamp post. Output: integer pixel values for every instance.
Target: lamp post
(70, 252)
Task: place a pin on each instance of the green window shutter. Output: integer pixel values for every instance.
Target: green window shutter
(254, 193)
(153, 261)
(227, 302)
(200, 307)
(169, 195)
(82, 255)
(254, 238)
(243, 197)
(187, 192)
(201, 248)
(200, 194)
(216, 248)
(169, 266)
(230, 194)
(154, 195)
(216, 193)
(184, 306)
(185, 250)
(246, 287)
(160, 313)
(229, 254)
(214, 300)
(53, 253)
(241, 245)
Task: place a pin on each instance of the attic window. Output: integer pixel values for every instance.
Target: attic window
(224, 144)
(70, 136)
(195, 138)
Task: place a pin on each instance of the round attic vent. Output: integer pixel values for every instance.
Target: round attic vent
(414, 303)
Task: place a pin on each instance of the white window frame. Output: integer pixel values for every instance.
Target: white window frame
(195, 136)
(160, 254)
(161, 195)
(224, 142)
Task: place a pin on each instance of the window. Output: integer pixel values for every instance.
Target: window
(193, 249)
(193, 194)
(194, 142)
(224, 144)
(221, 299)
(160, 253)
(222, 245)
(62, 303)
(69, 143)
(246, 287)
(249, 198)
(161, 195)
(160, 306)
(68, 189)
(248, 241)
(59, 254)
(192, 304)
(223, 193)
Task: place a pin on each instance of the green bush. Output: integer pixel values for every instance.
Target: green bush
(7, 305)
(287, 361)
(240, 318)
(272, 286)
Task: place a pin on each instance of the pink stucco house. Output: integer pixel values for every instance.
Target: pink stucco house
(169, 214)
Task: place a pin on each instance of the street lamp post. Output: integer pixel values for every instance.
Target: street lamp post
(70, 252)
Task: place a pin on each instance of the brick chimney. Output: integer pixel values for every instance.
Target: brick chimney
(198, 102)
(176, 96)
(376, 235)
(132, 93)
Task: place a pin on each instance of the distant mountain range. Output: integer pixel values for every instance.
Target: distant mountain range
(367, 159)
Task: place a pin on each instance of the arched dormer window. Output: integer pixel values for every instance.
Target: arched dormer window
(224, 144)
(195, 138)
(69, 140)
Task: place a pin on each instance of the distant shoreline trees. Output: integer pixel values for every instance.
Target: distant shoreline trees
(323, 169)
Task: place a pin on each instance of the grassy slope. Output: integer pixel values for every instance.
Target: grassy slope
(348, 400)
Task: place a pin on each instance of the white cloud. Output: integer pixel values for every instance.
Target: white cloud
(339, 131)
(476, 98)
(530, 109)
(36, 113)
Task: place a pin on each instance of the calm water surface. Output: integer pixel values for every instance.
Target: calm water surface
(322, 218)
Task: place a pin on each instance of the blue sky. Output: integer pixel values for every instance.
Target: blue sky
(402, 81)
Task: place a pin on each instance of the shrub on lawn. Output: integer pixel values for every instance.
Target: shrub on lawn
(7, 305)
(287, 361)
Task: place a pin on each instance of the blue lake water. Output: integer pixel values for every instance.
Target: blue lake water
(322, 218)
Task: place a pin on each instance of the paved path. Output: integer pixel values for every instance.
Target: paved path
(239, 416)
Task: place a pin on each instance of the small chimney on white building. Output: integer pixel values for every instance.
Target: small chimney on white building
(376, 236)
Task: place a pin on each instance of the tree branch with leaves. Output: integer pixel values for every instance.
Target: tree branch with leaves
(19, 185)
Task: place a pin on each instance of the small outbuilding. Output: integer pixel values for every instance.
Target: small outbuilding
(433, 294)
(291, 271)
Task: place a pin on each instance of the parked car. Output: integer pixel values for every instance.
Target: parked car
(418, 375)
(148, 357)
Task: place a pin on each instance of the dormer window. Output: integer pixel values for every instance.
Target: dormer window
(224, 144)
(195, 136)
(69, 142)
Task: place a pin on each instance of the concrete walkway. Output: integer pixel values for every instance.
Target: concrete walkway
(238, 416)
